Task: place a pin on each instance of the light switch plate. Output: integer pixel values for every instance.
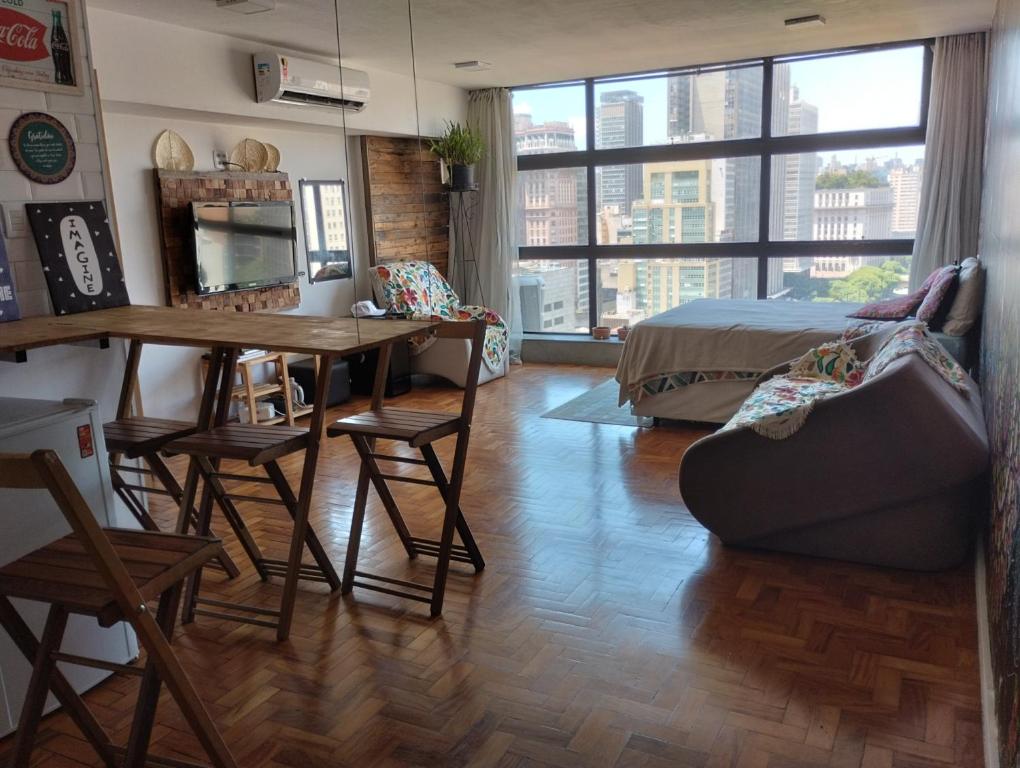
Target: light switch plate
(15, 220)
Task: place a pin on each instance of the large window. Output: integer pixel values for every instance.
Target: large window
(793, 178)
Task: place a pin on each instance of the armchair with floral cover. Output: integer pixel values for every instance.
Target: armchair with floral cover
(416, 290)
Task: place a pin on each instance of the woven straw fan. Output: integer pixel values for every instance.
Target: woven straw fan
(273, 161)
(251, 155)
(172, 153)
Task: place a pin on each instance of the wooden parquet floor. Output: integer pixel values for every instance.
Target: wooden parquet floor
(608, 629)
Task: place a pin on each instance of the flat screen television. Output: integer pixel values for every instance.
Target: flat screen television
(238, 246)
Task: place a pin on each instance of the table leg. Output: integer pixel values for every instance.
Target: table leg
(297, 543)
(127, 388)
(382, 369)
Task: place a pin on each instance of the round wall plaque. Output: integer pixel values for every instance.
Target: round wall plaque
(42, 148)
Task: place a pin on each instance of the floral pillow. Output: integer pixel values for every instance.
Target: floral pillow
(936, 304)
(833, 361)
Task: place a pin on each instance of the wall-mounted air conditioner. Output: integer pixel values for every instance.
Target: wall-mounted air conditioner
(299, 81)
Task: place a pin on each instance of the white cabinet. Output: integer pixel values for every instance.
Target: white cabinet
(30, 519)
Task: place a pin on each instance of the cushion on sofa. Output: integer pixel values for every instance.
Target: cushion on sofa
(935, 306)
(965, 308)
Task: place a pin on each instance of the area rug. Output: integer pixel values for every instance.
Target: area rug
(598, 406)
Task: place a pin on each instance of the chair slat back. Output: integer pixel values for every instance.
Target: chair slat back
(473, 331)
(53, 476)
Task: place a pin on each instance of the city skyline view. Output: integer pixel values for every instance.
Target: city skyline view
(842, 194)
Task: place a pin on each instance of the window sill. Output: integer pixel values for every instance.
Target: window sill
(570, 349)
(577, 338)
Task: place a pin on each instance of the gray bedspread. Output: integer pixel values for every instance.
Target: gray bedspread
(727, 335)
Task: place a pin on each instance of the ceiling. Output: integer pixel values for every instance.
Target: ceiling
(531, 41)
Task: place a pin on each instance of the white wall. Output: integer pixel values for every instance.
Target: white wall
(151, 67)
(65, 371)
(154, 76)
(166, 371)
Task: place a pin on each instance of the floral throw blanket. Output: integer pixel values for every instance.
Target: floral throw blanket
(913, 338)
(780, 406)
(416, 290)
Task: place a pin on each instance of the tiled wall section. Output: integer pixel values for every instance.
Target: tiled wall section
(77, 113)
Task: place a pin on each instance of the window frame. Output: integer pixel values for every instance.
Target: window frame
(765, 147)
(324, 256)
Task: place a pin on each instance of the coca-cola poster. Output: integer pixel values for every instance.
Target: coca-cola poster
(79, 258)
(39, 45)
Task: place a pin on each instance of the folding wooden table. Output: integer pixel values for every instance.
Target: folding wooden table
(225, 334)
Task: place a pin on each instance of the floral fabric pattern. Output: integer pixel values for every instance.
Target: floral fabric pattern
(780, 406)
(833, 361)
(681, 379)
(416, 290)
(914, 338)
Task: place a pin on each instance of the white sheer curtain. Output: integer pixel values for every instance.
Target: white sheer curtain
(950, 208)
(492, 222)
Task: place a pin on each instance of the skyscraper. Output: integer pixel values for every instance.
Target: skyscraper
(905, 181)
(800, 172)
(727, 105)
(552, 202)
(675, 207)
(619, 122)
(548, 198)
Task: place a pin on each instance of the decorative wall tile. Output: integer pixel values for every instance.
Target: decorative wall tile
(175, 189)
(14, 186)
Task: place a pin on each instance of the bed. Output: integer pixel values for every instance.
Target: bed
(699, 361)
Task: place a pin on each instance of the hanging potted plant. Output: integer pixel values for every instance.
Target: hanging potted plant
(459, 148)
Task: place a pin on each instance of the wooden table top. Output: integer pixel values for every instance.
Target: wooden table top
(33, 332)
(203, 328)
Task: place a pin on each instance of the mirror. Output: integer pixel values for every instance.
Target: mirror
(327, 231)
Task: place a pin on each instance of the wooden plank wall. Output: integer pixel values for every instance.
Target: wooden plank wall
(407, 206)
(174, 190)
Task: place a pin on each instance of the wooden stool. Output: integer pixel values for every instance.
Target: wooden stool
(109, 574)
(260, 446)
(143, 438)
(419, 430)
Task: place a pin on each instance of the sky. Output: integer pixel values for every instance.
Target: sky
(877, 89)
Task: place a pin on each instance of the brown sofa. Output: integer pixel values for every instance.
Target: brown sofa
(892, 472)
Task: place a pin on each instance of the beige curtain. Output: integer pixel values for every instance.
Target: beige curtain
(490, 281)
(950, 208)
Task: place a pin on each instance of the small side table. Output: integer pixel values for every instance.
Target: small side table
(249, 392)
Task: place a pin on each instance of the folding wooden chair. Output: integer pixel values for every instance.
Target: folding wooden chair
(259, 445)
(143, 437)
(112, 575)
(419, 430)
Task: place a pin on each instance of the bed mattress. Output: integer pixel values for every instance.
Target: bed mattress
(699, 361)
